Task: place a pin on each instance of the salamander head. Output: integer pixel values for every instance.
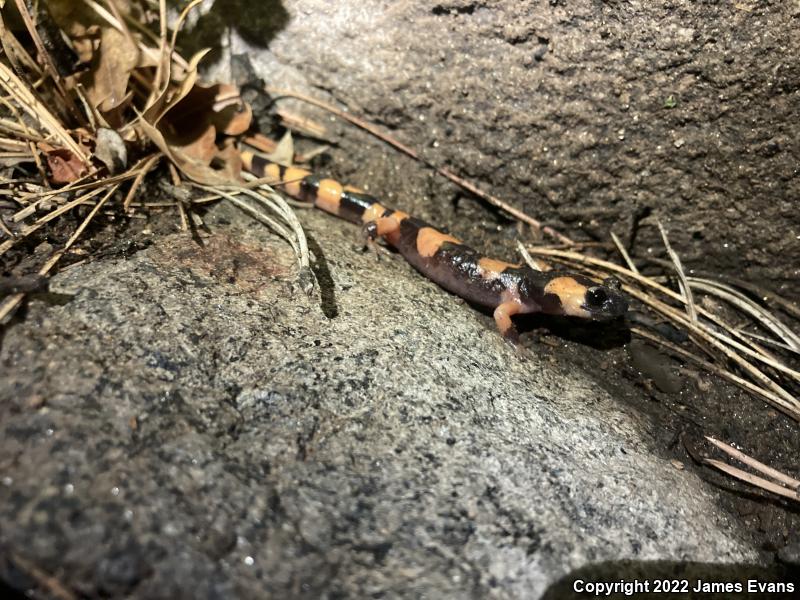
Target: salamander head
(579, 296)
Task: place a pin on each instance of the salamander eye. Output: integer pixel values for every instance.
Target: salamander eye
(596, 296)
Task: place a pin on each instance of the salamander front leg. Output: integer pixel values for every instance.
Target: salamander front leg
(502, 316)
(372, 230)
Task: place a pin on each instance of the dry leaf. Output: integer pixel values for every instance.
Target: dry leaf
(64, 166)
(219, 105)
(106, 82)
(227, 160)
(79, 23)
(111, 150)
(186, 127)
(166, 100)
(284, 151)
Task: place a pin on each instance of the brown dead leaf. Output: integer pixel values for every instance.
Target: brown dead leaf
(219, 105)
(106, 82)
(80, 25)
(187, 126)
(168, 98)
(200, 144)
(223, 168)
(64, 165)
(112, 52)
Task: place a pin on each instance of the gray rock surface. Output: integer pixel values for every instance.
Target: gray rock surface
(190, 425)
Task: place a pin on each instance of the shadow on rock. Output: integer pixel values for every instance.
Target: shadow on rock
(257, 22)
(601, 335)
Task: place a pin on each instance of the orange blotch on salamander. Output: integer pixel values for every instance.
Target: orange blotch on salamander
(292, 177)
(329, 196)
(571, 294)
(429, 240)
(373, 213)
(492, 269)
(273, 171)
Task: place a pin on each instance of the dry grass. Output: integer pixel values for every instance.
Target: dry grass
(715, 343)
(133, 84)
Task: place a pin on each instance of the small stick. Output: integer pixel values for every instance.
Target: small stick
(766, 340)
(4, 228)
(711, 367)
(765, 295)
(753, 479)
(536, 265)
(173, 173)
(687, 292)
(38, 111)
(48, 63)
(625, 256)
(48, 582)
(758, 466)
(182, 213)
(12, 302)
(48, 217)
(256, 214)
(746, 305)
(146, 168)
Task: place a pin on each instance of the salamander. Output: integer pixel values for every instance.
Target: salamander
(509, 289)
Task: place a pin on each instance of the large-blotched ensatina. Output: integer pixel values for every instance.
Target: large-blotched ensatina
(509, 289)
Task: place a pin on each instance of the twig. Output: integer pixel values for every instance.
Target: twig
(182, 212)
(709, 366)
(752, 479)
(144, 170)
(765, 295)
(5, 246)
(48, 582)
(743, 303)
(753, 463)
(146, 50)
(4, 228)
(297, 241)
(31, 104)
(12, 302)
(535, 264)
(444, 172)
(687, 291)
(767, 340)
(625, 256)
(44, 56)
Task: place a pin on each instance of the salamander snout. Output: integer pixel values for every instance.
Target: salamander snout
(605, 301)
